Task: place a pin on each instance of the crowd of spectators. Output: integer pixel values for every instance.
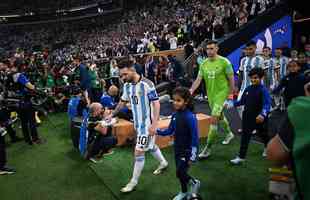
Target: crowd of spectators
(45, 52)
(161, 26)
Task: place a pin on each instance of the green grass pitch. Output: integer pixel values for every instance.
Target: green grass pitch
(55, 171)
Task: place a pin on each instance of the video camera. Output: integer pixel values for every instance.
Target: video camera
(11, 99)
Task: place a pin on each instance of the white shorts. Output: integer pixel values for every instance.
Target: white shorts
(145, 142)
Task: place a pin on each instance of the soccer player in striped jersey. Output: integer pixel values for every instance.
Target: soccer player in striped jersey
(269, 69)
(141, 94)
(247, 63)
(280, 62)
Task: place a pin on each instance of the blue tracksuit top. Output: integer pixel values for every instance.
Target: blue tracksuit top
(256, 101)
(183, 126)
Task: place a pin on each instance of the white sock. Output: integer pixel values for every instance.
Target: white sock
(139, 164)
(156, 153)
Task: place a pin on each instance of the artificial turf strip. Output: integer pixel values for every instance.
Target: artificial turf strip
(52, 171)
(219, 179)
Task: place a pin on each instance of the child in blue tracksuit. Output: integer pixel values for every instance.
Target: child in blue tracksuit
(183, 126)
(257, 102)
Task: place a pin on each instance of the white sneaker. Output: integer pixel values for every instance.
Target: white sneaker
(193, 196)
(162, 167)
(180, 196)
(108, 153)
(206, 153)
(264, 153)
(237, 161)
(3, 132)
(200, 98)
(95, 160)
(228, 138)
(129, 187)
(194, 186)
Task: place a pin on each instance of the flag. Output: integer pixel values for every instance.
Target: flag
(84, 133)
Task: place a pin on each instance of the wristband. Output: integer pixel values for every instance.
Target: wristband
(193, 154)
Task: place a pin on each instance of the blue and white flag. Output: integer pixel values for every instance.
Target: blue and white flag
(84, 133)
(73, 107)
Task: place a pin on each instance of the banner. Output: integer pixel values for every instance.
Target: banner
(277, 35)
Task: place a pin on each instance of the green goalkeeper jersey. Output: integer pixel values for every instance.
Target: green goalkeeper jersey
(215, 73)
(298, 112)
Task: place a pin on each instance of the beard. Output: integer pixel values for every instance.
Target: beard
(129, 80)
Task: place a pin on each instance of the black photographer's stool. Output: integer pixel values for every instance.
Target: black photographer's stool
(75, 127)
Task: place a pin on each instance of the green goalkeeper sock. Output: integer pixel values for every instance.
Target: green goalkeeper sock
(225, 125)
(212, 136)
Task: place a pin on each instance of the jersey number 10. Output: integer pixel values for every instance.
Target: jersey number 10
(134, 99)
(143, 140)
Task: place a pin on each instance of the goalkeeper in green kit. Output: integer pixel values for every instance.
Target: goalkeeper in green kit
(219, 78)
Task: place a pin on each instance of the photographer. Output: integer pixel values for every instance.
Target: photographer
(84, 78)
(19, 84)
(3, 168)
(5, 118)
(101, 139)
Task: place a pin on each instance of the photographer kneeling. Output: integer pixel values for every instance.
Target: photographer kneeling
(101, 139)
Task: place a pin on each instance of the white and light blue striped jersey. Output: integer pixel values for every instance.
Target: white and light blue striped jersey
(270, 76)
(246, 64)
(281, 63)
(140, 95)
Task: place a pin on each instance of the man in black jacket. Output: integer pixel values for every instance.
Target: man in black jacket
(3, 168)
(19, 83)
(292, 84)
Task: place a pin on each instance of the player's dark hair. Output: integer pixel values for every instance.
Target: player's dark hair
(257, 71)
(212, 42)
(185, 94)
(126, 63)
(250, 43)
(266, 47)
